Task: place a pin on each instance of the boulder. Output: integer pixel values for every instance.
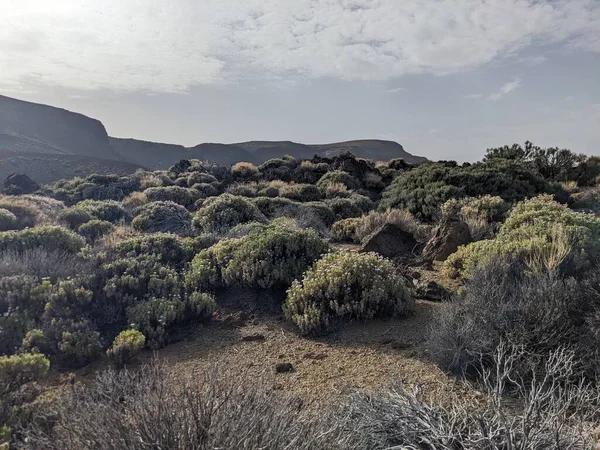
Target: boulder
(430, 290)
(19, 183)
(446, 241)
(389, 241)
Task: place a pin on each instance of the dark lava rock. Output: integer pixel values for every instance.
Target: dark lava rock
(284, 368)
(19, 183)
(254, 338)
(430, 290)
(446, 241)
(389, 241)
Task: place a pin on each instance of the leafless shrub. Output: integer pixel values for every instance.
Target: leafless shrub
(150, 409)
(42, 263)
(541, 411)
(502, 301)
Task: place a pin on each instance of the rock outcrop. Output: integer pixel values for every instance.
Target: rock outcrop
(19, 183)
(389, 241)
(446, 241)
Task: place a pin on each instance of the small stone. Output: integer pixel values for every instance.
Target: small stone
(254, 338)
(284, 368)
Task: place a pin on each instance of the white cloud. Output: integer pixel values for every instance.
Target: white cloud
(505, 89)
(169, 46)
(395, 90)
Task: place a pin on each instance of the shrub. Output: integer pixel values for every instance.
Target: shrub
(300, 192)
(75, 217)
(345, 230)
(219, 214)
(424, 189)
(16, 370)
(373, 181)
(275, 207)
(49, 238)
(204, 190)
(180, 195)
(195, 411)
(243, 189)
(336, 190)
(108, 210)
(544, 233)
(163, 217)
(200, 177)
(338, 177)
(8, 221)
(271, 257)
(315, 215)
(135, 200)
(502, 302)
(481, 214)
(171, 249)
(126, 345)
(157, 317)
(95, 229)
(346, 285)
(244, 170)
(155, 179)
(21, 305)
(344, 208)
(363, 202)
(79, 345)
(25, 212)
(41, 263)
(404, 219)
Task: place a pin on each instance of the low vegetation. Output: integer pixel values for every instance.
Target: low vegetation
(100, 269)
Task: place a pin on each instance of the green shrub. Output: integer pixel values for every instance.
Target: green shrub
(163, 217)
(204, 273)
(74, 217)
(315, 213)
(200, 177)
(79, 346)
(338, 177)
(204, 190)
(50, 238)
(157, 317)
(544, 233)
(300, 192)
(219, 214)
(8, 221)
(95, 229)
(425, 188)
(363, 202)
(21, 305)
(343, 286)
(345, 230)
(180, 195)
(482, 215)
(170, 248)
(344, 208)
(125, 347)
(274, 207)
(16, 370)
(273, 257)
(108, 210)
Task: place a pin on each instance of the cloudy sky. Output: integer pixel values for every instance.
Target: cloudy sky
(445, 78)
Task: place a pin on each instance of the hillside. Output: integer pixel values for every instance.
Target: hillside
(53, 130)
(30, 128)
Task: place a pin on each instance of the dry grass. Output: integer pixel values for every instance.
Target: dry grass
(337, 190)
(404, 219)
(135, 199)
(244, 170)
(32, 210)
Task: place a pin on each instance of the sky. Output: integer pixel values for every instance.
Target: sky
(444, 78)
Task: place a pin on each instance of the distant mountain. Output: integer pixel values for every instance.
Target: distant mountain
(78, 145)
(46, 129)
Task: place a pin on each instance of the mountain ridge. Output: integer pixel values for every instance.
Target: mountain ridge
(33, 128)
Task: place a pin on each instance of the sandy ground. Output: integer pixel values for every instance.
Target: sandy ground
(363, 355)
